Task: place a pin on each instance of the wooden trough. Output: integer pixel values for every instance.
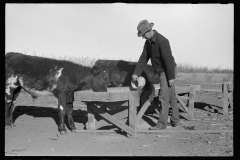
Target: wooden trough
(97, 102)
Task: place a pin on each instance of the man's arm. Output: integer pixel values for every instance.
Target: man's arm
(142, 61)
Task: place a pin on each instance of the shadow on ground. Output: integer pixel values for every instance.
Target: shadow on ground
(81, 116)
(203, 106)
(78, 116)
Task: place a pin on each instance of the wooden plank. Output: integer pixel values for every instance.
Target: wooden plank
(191, 102)
(180, 107)
(100, 96)
(116, 93)
(230, 98)
(181, 89)
(185, 115)
(184, 131)
(133, 103)
(230, 94)
(96, 131)
(229, 86)
(159, 131)
(121, 116)
(91, 121)
(225, 98)
(113, 120)
(119, 96)
(142, 111)
(91, 96)
(211, 90)
(120, 89)
(182, 103)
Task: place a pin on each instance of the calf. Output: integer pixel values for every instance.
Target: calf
(120, 74)
(44, 76)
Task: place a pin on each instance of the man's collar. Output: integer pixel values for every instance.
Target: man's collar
(153, 39)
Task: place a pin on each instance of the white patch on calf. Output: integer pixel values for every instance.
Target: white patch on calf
(21, 81)
(8, 101)
(58, 74)
(10, 84)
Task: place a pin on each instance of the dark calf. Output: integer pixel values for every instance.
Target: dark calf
(44, 76)
(120, 74)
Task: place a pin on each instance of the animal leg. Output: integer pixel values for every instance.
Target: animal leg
(62, 113)
(70, 117)
(7, 115)
(10, 106)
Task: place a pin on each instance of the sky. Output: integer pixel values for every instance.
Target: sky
(200, 34)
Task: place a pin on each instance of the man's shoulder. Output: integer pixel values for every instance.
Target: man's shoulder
(160, 37)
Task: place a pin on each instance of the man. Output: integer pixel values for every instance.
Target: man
(157, 48)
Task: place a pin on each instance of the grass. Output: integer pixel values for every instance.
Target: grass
(181, 67)
(189, 68)
(85, 61)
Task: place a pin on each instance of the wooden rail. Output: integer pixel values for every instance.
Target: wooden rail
(160, 131)
(227, 96)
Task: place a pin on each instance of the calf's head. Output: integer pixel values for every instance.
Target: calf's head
(100, 80)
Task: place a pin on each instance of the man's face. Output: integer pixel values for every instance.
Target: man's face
(147, 35)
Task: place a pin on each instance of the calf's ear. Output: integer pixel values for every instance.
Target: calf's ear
(95, 71)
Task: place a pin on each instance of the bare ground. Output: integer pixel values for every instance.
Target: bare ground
(36, 134)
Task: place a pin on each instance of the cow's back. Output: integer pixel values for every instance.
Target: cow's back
(30, 65)
(40, 67)
(121, 72)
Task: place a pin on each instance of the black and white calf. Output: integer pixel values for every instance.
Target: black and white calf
(44, 76)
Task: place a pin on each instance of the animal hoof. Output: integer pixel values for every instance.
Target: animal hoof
(63, 132)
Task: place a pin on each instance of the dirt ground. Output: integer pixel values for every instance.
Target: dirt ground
(36, 134)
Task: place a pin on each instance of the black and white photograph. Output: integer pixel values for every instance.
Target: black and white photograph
(119, 79)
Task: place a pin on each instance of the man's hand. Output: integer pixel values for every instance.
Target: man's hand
(170, 82)
(134, 77)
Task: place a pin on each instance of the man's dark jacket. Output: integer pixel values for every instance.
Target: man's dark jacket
(159, 50)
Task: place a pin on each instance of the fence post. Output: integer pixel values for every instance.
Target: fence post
(191, 101)
(225, 98)
(91, 119)
(230, 95)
